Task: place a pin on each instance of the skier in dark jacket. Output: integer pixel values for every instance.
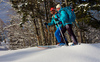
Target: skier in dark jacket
(67, 25)
(58, 24)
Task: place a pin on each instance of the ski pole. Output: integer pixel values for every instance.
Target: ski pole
(62, 34)
(47, 28)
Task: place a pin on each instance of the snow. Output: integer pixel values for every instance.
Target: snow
(5, 10)
(95, 14)
(4, 45)
(78, 53)
(83, 5)
(11, 25)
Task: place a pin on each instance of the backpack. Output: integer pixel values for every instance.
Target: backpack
(70, 13)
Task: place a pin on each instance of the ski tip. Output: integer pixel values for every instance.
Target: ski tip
(42, 47)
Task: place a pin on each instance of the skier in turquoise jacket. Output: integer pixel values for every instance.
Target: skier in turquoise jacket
(63, 17)
(55, 21)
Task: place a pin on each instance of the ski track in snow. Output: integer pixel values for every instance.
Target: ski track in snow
(78, 53)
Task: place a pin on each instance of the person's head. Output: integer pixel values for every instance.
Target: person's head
(58, 7)
(52, 10)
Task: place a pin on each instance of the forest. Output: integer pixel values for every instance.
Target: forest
(26, 28)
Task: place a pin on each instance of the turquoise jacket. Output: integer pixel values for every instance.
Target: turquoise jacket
(55, 22)
(64, 17)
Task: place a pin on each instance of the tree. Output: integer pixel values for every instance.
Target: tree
(37, 12)
(2, 35)
(83, 15)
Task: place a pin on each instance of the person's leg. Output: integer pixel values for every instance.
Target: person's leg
(57, 32)
(63, 31)
(70, 31)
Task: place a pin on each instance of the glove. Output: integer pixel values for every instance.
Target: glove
(60, 22)
(45, 23)
(56, 19)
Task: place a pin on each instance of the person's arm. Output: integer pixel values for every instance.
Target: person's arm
(52, 22)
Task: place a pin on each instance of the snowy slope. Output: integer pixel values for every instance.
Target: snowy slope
(79, 53)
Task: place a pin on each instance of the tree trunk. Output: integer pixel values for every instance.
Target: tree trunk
(68, 37)
(46, 17)
(54, 38)
(79, 36)
(41, 31)
(79, 33)
(66, 2)
(48, 36)
(36, 31)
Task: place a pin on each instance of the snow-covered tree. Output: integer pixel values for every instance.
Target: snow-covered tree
(84, 12)
(37, 12)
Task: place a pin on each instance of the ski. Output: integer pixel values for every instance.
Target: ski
(56, 46)
(75, 45)
(49, 47)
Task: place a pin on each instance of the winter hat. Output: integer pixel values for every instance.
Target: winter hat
(52, 9)
(58, 6)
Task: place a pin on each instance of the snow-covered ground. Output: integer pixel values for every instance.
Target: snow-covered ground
(78, 53)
